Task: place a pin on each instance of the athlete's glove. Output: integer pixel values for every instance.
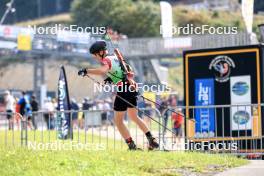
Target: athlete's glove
(108, 81)
(82, 72)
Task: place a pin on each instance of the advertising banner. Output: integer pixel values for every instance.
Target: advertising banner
(166, 19)
(64, 118)
(240, 91)
(247, 8)
(204, 117)
(24, 42)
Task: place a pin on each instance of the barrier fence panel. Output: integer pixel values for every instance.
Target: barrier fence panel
(229, 129)
(92, 130)
(235, 129)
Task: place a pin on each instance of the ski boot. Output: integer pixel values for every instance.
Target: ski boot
(132, 146)
(153, 144)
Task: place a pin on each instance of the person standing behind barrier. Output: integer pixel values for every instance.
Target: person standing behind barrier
(48, 114)
(35, 107)
(106, 108)
(74, 115)
(87, 105)
(10, 108)
(149, 111)
(163, 108)
(17, 114)
(80, 116)
(28, 111)
(100, 107)
(145, 108)
(177, 119)
(173, 101)
(21, 104)
(25, 108)
(142, 106)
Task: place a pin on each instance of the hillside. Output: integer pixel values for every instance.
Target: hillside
(181, 17)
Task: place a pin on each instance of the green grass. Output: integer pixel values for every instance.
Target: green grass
(22, 161)
(17, 160)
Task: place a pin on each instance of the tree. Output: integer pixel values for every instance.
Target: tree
(135, 19)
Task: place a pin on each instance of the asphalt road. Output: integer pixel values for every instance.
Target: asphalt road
(254, 168)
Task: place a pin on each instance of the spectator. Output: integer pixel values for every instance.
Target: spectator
(80, 116)
(35, 107)
(177, 119)
(87, 105)
(49, 113)
(24, 108)
(110, 113)
(74, 115)
(10, 108)
(100, 107)
(106, 112)
(55, 103)
(173, 101)
(28, 112)
(21, 104)
(141, 106)
(17, 115)
(164, 112)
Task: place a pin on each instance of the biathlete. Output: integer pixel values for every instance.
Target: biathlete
(111, 67)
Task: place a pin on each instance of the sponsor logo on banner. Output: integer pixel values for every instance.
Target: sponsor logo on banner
(240, 88)
(241, 117)
(64, 118)
(12, 32)
(222, 66)
(240, 91)
(204, 117)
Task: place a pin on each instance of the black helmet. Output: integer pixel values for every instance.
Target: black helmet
(98, 46)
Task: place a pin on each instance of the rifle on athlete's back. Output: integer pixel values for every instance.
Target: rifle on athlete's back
(129, 74)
